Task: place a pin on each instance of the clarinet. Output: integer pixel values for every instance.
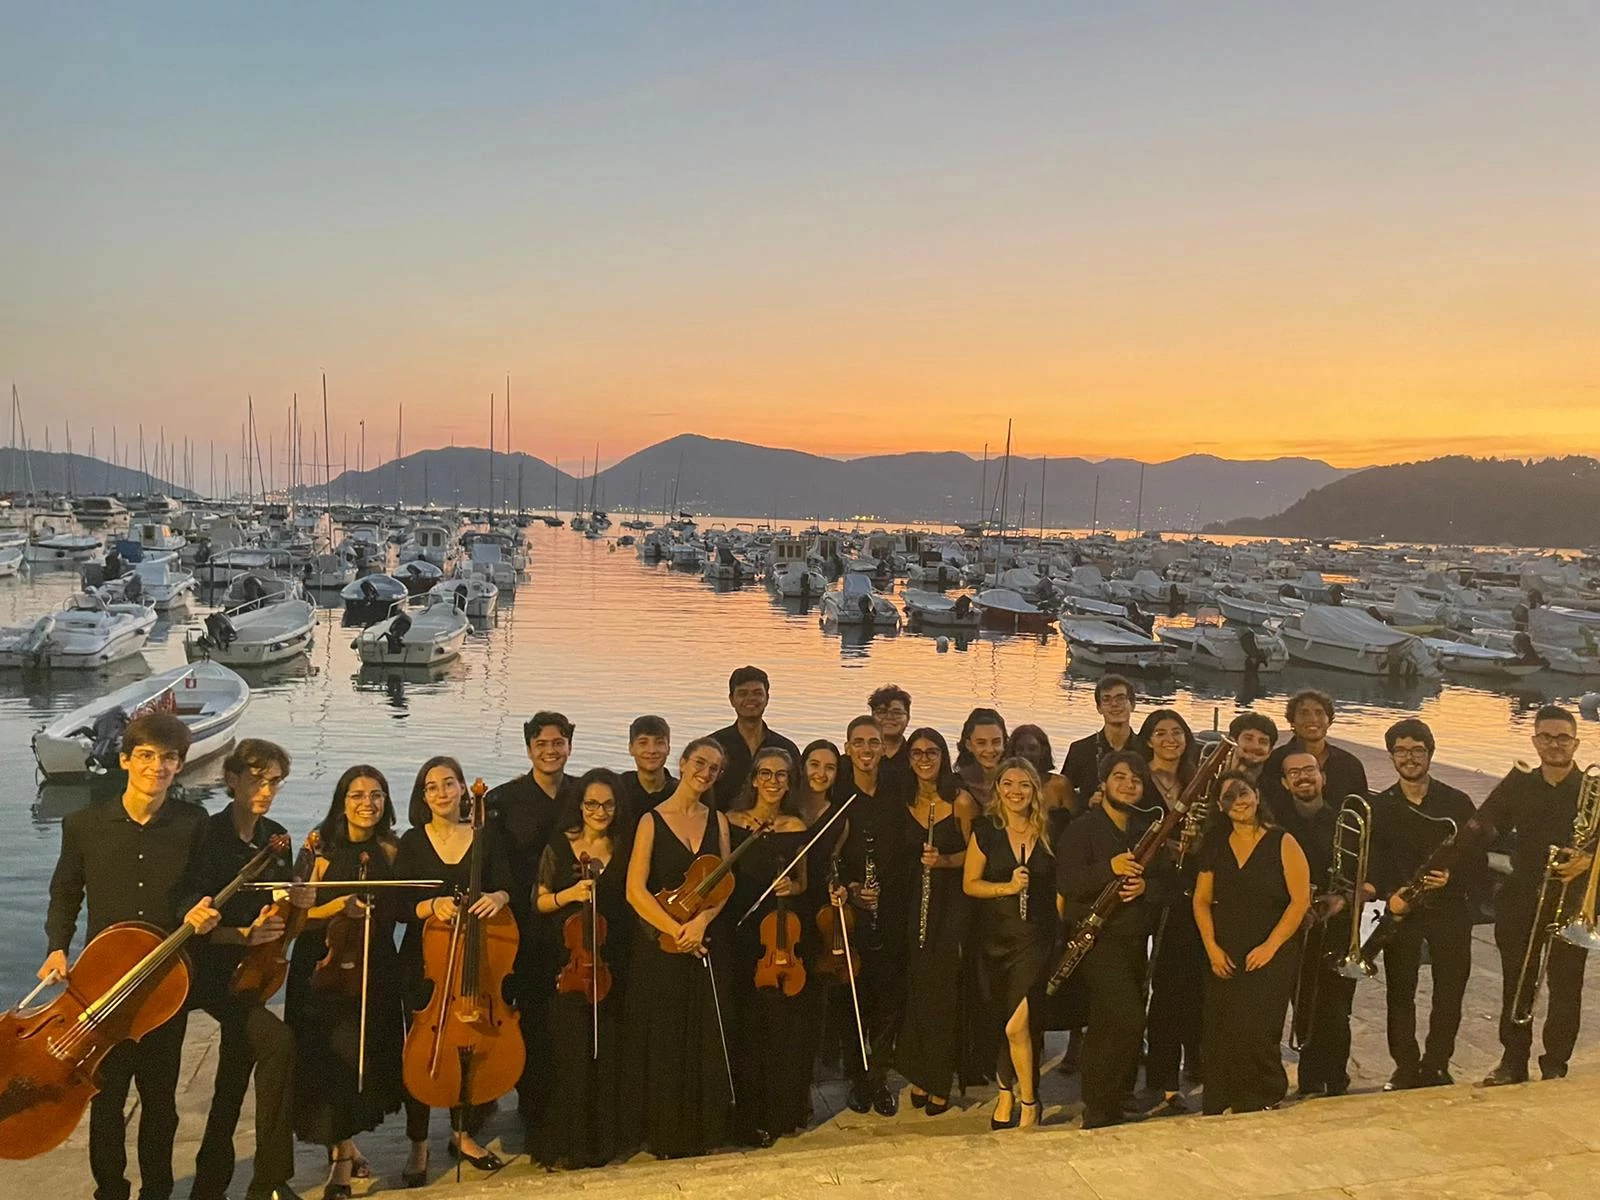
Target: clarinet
(869, 879)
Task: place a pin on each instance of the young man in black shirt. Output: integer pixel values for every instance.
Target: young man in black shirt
(1255, 734)
(1410, 821)
(650, 745)
(129, 859)
(253, 1037)
(1540, 807)
(891, 707)
(1310, 713)
(749, 690)
(1113, 700)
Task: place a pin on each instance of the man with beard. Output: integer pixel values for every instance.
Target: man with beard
(1255, 734)
(749, 690)
(1410, 820)
(1539, 806)
(1310, 713)
(876, 864)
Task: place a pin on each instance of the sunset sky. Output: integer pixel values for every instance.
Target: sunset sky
(1365, 232)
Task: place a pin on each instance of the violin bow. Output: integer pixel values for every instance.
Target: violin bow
(366, 962)
(594, 963)
(855, 998)
(722, 1033)
(804, 850)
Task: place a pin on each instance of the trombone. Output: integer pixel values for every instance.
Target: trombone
(1347, 885)
(1551, 918)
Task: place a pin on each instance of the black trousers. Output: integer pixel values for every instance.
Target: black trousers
(882, 986)
(1564, 983)
(1177, 1001)
(1325, 1056)
(253, 1040)
(1114, 971)
(1448, 935)
(152, 1063)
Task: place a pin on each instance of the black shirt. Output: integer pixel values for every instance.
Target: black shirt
(1083, 868)
(876, 823)
(1342, 775)
(736, 764)
(1541, 816)
(640, 801)
(1314, 831)
(220, 855)
(899, 763)
(1081, 767)
(128, 871)
(524, 815)
(1402, 840)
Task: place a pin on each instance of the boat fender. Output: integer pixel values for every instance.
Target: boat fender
(941, 644)
(944, 574)
(395, 636)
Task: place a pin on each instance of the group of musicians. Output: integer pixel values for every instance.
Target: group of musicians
(894, 905)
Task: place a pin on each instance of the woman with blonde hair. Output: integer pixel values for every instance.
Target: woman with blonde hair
(1010, 869)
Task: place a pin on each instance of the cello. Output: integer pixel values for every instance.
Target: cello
(129, 980)
(586, 972)
(261, 971)
(465, 1046)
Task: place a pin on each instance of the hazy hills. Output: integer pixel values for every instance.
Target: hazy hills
(44, 471)
(1553, 502)
(712, 475)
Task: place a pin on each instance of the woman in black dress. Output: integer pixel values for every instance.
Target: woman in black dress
(676, 1096)
(1252, 891)
(814, 804)
(979, 751)
(579, 1128)
(438, 846)
(771, 1066)
(1011, 871)
(333, 1100)
(1172, 1030)
(938, 824)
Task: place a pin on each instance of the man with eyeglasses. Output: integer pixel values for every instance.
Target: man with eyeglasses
(1409, 822)
(129, 860)
(1113, 700)
(527, 810)
(1310, 713)
(749, 690)
(891, 706)
(253, 1039)
(1539, 807)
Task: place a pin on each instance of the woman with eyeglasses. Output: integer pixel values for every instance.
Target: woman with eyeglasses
(1010, 870)
(771, 1069)
(1252, 890)
(439, 846)
(579, 1127)
(1177, 975)
(675, 1094)
(334, 1099)
(938, 824)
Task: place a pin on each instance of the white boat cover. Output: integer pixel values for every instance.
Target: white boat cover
(1348, 627)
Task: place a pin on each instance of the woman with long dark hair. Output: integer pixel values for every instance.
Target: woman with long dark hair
(979, 749)
(1252, 891)
(333, 1101)
(587, 858)
(439, 846)
(1010, 870)
(938, 824)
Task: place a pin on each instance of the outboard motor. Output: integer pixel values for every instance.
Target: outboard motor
(1254, 656)
(864, 604)
(133, 589)
(105, 741)
(36, 646)
(220, 631)
(460, 601)
(1336, 594)
(963, 605)
(114, 566)
(1138, 618)
(369, 591)
(395, 637)
(1523, 645)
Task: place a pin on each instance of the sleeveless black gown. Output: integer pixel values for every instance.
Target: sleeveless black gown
(930, 1039)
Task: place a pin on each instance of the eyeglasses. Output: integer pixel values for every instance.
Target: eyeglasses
(268, 781)
(705, 764)
(1564, 740)
(145, 756)
(891, 710)
(599, 806)
(1116, 698)
(365, 799)
(1301, 773)
(926, 753)
(1417, 752)
(766, 775)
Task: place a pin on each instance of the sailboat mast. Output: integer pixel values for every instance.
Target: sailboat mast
(327, 448)
(491, 454)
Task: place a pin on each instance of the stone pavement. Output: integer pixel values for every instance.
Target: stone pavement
(1537, 1140)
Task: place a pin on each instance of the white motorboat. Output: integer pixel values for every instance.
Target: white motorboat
(1563, 660)
(155, 537)
(723, 567)
(430, 541)
(1002, 608)
(1254, 613)
(415, 636)
(63, 549)
(1469, 658)
(857, 604)
(1085, 606)
(207, 697)
(1114, 644)
(487, 560)
(226, 565)
(373, 589)
(85, 633)
(157, 581)
(1351, 640)
(1574, 628)
(939, 611)
(10, 561)
(256, 589)
(255, 635)
(332, 570)
(99, 510)
(475, 597)
(796, 580)
(686, 556)
(1227, 647)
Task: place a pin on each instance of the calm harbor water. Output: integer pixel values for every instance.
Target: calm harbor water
(601, 637)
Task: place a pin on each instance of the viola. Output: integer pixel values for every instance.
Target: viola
(707, 883)
(261, 971)
(129, 980)
(779, 968)
(465, 1045)
(837, 958)
(345, 939)
(584, 933)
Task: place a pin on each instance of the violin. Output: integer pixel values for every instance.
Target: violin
(835, 923)
(707, 883)
(261, 971)
(584, 933)
(339, 968)
(465, 1045)
(129, 980)
(779, 968)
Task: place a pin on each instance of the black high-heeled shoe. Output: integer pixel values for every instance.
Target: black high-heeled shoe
(919, 1099)
(935, 1107)
(1016, 1114)
(487, 1161)
(416, 1179)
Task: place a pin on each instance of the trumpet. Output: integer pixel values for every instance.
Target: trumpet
(1551, 919)
(1347, 884)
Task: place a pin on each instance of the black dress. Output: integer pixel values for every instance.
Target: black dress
(675, 1095)
(419, 860)
(579, 1129)
(1014, 953)
(930, 1037)
(1244, 1015)
(328, 1106)
(767, 1031)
